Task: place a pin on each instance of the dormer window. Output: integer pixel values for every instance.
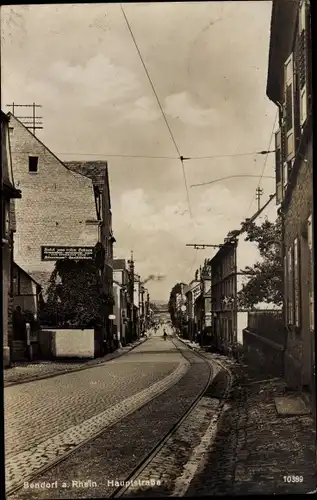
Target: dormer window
(33, 164)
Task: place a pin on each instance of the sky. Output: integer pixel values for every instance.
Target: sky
(208, 62)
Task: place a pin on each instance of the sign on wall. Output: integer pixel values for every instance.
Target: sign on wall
(73, 253)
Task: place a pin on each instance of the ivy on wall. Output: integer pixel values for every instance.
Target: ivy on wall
(76, 296)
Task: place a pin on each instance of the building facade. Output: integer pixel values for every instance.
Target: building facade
(289, 86)
(136, 304)
(64, 205)
(8, 194)
(228, 277)
(194, 290)
(120, 282)
(205, 285)
(97, 172)
(223, 295)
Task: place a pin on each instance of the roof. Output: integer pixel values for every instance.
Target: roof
(4, 116)
(192, 286)
(119, 264)
(282, 29)
(26, 274)
(9, 115)
(97, 171)
(244, 226)
(41, 277)
(9, 189)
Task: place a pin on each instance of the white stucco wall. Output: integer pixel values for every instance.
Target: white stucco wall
(117, 308)
(73, 343)
(242, 323)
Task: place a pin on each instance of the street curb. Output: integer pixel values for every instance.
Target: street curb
(78, 369)
(222, 407)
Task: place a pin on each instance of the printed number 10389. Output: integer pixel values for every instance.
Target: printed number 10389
(293, 479)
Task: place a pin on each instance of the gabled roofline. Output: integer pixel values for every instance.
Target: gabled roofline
(95, 163)
(9, 115)
(26, 274)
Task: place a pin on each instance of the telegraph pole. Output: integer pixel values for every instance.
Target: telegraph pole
(33, 122)
(259, 193)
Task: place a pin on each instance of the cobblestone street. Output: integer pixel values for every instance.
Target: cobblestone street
(26, 372)
(47, 415)
(158, 252)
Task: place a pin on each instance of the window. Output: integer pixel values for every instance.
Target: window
(302, 60)
(278, 167)
(311, 287)
(33, 164)
(289, 107)
(285, 174)
(297, 297)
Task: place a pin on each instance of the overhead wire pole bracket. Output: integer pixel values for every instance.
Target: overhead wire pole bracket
(202, 246)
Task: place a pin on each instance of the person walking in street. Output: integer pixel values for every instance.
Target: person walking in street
(164, 334)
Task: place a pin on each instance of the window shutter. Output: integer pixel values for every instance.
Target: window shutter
(290, 288)
(302, 61)
(297, 282)
(285, 288)
(289, 107)
(278, 167)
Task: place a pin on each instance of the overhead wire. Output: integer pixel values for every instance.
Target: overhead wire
(167, 157)
(265, 161)
(229, 177)
(163, 115)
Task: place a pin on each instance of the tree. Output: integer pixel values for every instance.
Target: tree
(266, 276)
(172, 304)
(76, 294)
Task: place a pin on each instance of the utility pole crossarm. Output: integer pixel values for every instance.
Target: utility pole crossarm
(30, 122)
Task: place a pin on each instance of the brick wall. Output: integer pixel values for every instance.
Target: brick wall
(300, 341)
(55, 203)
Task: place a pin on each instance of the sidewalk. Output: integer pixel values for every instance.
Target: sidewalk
(27, 372)
(266, 441)
(276, 442)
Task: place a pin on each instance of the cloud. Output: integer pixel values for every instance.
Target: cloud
(210, 213)
(97, 82)
(182, 106)
(144, 109)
